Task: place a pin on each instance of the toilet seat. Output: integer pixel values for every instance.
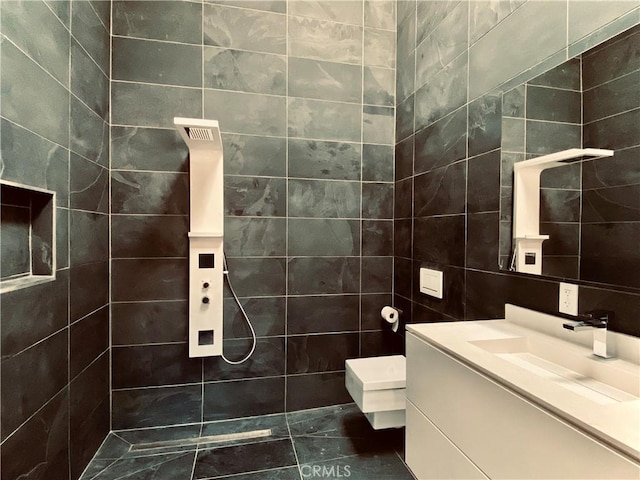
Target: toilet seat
(377, 385)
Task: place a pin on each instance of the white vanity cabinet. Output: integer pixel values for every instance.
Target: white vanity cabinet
(462, 424)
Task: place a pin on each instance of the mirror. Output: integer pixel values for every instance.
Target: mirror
(589, 208)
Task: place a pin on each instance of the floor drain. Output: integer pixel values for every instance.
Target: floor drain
(186, 442)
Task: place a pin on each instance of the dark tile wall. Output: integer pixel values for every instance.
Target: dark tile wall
(55, 406)
(448, 139)
(304, 92)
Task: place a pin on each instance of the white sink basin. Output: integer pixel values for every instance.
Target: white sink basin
(572, 367)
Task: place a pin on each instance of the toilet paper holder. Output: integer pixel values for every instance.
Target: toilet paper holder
(391, 315)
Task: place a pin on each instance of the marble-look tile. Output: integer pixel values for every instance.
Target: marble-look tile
(559, 205)
(402, 234)
(405, 76)
(513, 102)
(343, 11)
(136, 436)
(46, 437)
(485, 124)
(147, 407)
(144, 105)
(440, 240)
(323, 40)
(377, 163)
(380, 343)
(257, 277)
(244, 29)
(330, 421)
(403, 277)
(441, 191)
(443, 45)
(50, 47)
(154, 365)
(23, 97)
(405, 8)
(330, 160)
(530, 43)
(323, 237)
(320, 353)
(266, 115)
(263, 237)
(236, 398)
(255, 197)
(612, 97)
(25, 322)
(324, 199)
(316, 314)
(380, 14)
(613, 204)
(370, 466)
(136, 236)
(31, 378)
(379, 48)
(267, 315)
(548, 137)
(89, 237)
(244, 458)
(324, 80)
(324, 120)
(486, 14)
(88, 288)
(149, 193)
(138, 148)
(430, 15)
(446, 92)
(552, 104)
(617, 132)
(15, 249)
(609, 253)
(135, 279)
(403, 199)
(621, 169)
(268, 360)
(564, 238)
(148, 322)
(604, 63)
(377, 200)
(244, 71)
(618, 26)
(405, 113)
(169, 466)
(566, 76)
(316, 390)
(377, 125)
(276, 6)
(88, 82)
(568, 177)
(88, 29)
(377, 238)
(148, 61)
(89, 133)
(561, 266)
(442, 143)
(89, 185)
(370, 306)
(32, 160)
(254, 155)
(404, 161)
(379, 88)
(287, 473)
(323, 275)
(482, 241)
(513, 134)
(377, 274)
(406, 37)
(586, 17)
(483, 183)
(161, 20)
(103, 10)
(62, 10)
(62, 238)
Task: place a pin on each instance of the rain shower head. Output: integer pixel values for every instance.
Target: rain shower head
(199, 134)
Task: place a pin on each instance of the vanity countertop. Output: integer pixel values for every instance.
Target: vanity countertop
(501, 349)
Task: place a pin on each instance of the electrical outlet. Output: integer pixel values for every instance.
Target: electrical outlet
(568, 299)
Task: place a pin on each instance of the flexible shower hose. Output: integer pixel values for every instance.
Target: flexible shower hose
(244, 314)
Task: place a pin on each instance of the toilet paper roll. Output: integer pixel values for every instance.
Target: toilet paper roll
(392, 316)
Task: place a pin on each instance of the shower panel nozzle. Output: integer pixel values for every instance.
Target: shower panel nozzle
(199, 134)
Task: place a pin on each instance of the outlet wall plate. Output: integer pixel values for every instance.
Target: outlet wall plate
(568, 299)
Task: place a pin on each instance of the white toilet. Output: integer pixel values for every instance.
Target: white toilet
(377, 385)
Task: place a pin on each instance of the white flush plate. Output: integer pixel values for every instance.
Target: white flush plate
(431, 282)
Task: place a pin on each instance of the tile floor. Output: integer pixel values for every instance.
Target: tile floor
(323, 443)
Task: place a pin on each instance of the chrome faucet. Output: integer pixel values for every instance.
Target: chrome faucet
(598, 319)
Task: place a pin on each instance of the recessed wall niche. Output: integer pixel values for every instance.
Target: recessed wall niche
(27, 236)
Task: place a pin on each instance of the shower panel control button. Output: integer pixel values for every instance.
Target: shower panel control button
(206, 260)
(205, 285)
(205, 300)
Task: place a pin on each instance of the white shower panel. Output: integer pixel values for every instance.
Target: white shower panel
(206, 235)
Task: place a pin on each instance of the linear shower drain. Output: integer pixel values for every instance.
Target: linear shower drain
(186, 442)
